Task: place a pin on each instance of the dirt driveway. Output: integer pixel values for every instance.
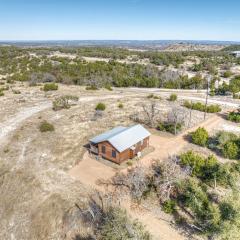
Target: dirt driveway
(90, 170)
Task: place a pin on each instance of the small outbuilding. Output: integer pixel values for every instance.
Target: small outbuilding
(120, 143)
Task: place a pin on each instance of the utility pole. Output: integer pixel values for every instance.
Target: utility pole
(207, 93)
(190, 115)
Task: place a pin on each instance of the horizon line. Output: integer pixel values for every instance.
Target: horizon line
(139, 40)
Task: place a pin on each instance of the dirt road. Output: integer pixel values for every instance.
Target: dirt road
(195, 95)
(13, 122)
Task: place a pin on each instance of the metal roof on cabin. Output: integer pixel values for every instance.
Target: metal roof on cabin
(107, 135)
(123, 138)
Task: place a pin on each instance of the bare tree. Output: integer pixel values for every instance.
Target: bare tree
(151, 112)
(166, 175)
(36, 78)
(135, 182)
(177, 116)
(160, 177)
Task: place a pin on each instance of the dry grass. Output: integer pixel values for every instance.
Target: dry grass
(38, 197)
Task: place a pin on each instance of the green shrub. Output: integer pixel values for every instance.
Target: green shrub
(227, 211)
(193, 160)
(116, 221)
(16, 92)
(234, 117)
(169, 206)
(194, 197)
(213, 109)
(230, 150)
(234, 85)
(50, 87)
(208, 169)
(200, 137)
(1, 93)
(100, 107)
(236, 96)
(63, 102)
(92, 87)
(120, 105)
(169, 127)
(129, 163)
(153, 96)
(173, 97)
(4, 89)
(108, 87)
(224, 137)
(150, 95)
(227, 74)
(46, 127)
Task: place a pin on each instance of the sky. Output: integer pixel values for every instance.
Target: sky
(120, 20)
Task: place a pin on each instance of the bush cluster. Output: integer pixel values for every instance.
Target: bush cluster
(193, 196)
(185, 187)
(201, 107)
(153, 96)
(169, 127)
(117, 225)
(234, 117)
(169, 206)
(64, 102)
(230, 150)
(228, 144)
(207, 169)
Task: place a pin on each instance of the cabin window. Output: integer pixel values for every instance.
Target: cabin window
(103, 149)
(114, 154)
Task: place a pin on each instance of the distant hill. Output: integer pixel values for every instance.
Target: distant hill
(137, 44)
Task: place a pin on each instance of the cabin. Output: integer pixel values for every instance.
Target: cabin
(120, 143)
